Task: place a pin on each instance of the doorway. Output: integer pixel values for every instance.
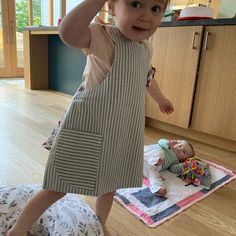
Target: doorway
(11, 41)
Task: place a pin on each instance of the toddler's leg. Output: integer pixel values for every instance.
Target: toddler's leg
(33, 209)
(103, 208)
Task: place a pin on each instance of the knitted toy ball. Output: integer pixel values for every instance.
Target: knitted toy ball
(193, 169)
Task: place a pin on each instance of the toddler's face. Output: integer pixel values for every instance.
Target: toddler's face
(137, 19)
(182, 149)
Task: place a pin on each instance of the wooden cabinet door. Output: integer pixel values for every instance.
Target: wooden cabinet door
(175, 57)
(215, 102)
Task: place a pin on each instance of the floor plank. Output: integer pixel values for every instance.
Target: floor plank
(27, 117)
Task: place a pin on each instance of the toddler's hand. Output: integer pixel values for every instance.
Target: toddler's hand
(166, 106)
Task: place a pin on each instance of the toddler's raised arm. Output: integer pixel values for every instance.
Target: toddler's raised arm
(73, 29)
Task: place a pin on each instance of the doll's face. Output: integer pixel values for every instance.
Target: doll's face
(182, 149)
(137, 19)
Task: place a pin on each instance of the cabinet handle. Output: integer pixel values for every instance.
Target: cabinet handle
(206, 40)
(193, 42)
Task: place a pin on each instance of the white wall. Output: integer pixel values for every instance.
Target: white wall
(57, 10)
(227, 9)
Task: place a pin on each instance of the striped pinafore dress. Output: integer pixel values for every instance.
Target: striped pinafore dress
(99, 145)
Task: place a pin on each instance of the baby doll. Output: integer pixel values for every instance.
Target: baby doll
(168, 154)
(178, 157)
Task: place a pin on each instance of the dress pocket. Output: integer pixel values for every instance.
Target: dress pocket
(77, 158)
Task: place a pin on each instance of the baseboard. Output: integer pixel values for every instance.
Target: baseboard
(212, 140)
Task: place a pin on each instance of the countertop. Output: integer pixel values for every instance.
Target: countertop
(39, 28)
(229, 21)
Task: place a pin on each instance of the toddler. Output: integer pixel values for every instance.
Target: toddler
(99, 144)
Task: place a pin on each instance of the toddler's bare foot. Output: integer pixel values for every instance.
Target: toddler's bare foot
(161, 192)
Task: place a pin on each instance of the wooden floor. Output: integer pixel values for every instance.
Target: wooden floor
(26, 118)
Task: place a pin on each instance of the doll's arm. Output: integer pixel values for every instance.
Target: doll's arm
(177, 168)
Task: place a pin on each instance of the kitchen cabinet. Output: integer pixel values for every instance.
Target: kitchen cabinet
(214, 110)
(175, 56)
(197, 72)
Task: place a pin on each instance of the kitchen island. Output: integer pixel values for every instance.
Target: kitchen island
(49, 63)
